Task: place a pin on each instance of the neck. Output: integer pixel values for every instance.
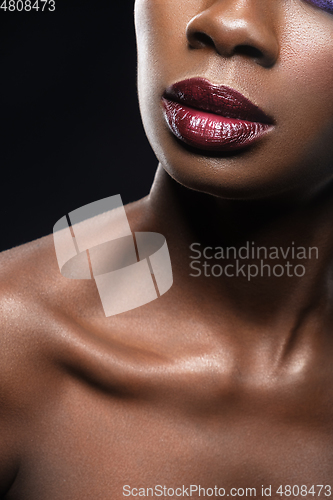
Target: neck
(285, 249)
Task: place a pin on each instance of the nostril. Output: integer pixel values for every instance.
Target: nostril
(230, 32)
(199, 40)
(248, 50)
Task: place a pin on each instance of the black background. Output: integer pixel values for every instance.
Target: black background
(70, 131)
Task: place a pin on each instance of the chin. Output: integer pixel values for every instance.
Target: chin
(276, 166)
(226, 187)
(232, 176)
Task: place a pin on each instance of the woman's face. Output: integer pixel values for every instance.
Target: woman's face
(277, 53)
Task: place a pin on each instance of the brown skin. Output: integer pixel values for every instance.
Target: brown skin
(279, 56)
(222, 381)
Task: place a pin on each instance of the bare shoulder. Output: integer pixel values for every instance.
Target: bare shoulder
(26, 274)
(32, 289)
(43, 319)
(38, 309)
(31, 285)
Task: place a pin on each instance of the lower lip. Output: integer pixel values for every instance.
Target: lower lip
(208, 131)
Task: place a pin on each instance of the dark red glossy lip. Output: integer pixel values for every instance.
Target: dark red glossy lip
(213, 117)
(201, 94)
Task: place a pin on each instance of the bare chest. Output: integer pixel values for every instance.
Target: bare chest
(176, 443)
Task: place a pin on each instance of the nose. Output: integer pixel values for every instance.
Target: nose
(243, 27)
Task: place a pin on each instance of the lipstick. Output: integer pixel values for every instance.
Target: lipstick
(213, 117)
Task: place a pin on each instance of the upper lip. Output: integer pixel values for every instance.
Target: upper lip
(218, 99)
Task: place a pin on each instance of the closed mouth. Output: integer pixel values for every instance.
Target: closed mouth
(213, 117)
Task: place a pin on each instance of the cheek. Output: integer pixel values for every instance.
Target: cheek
(161, 34)
(152, 26)
(314, 75)
(158, 21)
(306, 71)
